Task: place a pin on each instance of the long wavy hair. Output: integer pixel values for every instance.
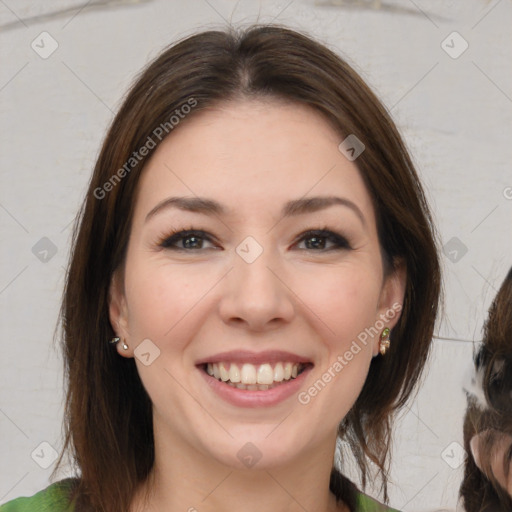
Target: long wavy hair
(489, 407)
(108, 415)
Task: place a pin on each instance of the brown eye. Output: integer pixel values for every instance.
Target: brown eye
(317, 239)
(189, 239)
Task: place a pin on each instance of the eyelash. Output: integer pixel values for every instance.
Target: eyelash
(177, 235)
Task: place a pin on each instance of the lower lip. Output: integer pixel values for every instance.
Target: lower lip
(264, 398)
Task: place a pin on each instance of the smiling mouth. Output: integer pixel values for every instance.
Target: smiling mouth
(252, 377)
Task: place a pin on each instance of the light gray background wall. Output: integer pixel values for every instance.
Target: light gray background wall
(455, 110)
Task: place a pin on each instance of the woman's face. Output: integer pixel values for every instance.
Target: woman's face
(253, 291)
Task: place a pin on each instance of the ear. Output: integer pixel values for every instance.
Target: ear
(391, 298)
(118, 314)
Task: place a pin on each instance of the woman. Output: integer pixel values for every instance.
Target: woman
(257, 246)
(487, 483)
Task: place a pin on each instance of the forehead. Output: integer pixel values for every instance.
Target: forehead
(254, 155)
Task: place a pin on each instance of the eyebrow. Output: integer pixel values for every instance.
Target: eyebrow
(291, 208)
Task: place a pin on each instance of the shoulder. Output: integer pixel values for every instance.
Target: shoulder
(367, 504)
(55, 498)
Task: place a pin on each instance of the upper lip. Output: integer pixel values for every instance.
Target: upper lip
(245, 356)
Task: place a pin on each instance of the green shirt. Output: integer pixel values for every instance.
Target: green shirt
(55, 498)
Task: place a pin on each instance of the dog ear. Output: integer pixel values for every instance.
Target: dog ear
(491, 451)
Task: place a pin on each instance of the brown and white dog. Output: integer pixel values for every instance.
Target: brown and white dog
(487, 483)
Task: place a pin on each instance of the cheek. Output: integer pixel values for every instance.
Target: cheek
(343, 300)
(160, 295)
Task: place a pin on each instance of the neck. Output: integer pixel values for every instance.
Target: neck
(185, 479)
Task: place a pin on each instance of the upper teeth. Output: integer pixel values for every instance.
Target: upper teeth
(253, 374)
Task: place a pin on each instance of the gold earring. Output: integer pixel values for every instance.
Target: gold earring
(117, 339)
(384, 341)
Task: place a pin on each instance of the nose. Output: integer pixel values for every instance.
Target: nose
(256, 295)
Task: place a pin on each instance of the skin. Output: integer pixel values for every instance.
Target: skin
(306, 298)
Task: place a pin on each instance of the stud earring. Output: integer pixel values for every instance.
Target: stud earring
(384, 341)
(117, 339)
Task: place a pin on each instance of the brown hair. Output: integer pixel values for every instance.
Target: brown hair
(493, 362)
(108, 413)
